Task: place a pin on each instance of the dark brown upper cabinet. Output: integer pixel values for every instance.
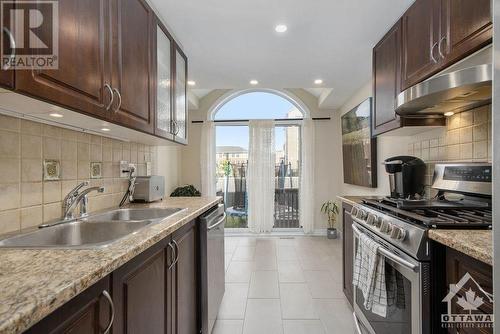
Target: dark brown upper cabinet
(6, 74)
(164, 77)
(132, 64)
(420, 31)
(180, 118)
(116, 62)
(386, 81)
(465, 27)
(437, 33)
(430, 36)
(84, 68)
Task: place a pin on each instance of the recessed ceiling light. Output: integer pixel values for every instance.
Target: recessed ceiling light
(449, 113)
(55, 114)
(254, 82)
(318, 82)
(105, 129)
(191, 83)
(281, 28)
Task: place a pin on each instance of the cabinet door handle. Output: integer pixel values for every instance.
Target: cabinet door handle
(119, 99)
(439, 46)
(108, 87)
(112, 307)
(12, 42)
(174, 254)
(432, 52)
(177, 128)
(176, 251)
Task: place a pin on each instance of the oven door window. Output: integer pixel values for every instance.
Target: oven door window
(398, 319)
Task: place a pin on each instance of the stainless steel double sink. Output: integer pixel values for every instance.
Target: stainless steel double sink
(95, 231)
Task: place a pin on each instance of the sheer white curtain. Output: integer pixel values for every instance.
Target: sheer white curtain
(306, 192)
(260, 176)
(208, 159)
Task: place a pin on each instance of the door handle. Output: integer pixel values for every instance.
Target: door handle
(12, 42)
(211, 227)
(439, 46)
(432, 52)
(112, 307)
(176, 127)
(176, 251)
(388, 254)
(119, 99)
(356, 322)
(174, 255)
(108, 87)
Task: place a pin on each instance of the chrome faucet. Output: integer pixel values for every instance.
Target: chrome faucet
(76, 197)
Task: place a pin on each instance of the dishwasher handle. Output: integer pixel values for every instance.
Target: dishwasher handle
(220, 221)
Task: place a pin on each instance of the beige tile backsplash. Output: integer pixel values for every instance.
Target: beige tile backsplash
(26, 200)
(467, 139)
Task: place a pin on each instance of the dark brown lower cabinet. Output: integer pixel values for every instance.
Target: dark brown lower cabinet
(347, 248)
(139, 293)
(185, 298)
(457, 266)
(87, 313)
(158, 291)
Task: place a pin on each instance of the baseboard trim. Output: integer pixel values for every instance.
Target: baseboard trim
(236, 232)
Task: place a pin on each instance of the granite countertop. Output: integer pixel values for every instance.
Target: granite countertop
(478, 244)
(355, 199)
(34, 283)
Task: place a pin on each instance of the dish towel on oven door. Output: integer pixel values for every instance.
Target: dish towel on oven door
(369, 275)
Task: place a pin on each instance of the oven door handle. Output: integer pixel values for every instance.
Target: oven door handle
(356, 322)
(390, 255)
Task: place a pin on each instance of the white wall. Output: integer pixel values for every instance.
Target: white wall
(327, 149)
(168, 165)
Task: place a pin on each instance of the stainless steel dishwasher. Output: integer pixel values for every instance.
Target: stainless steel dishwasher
(212, 265)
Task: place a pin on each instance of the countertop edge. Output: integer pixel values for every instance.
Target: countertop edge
(351, 200)
(20, 322)
(462, 245)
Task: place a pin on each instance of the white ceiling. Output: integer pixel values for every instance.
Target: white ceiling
(229, 42)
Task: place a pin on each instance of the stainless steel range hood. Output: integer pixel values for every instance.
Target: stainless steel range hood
(450, 92)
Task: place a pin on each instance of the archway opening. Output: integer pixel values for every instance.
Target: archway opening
(232, 115)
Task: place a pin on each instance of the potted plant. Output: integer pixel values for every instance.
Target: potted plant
(331, 209)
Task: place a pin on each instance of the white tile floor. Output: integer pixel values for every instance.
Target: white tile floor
(284, 286)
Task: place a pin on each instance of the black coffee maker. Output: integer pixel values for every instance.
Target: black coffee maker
(406, 177)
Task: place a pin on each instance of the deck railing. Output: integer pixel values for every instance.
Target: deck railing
(286, 209)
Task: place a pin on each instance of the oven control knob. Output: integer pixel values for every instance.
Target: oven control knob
(371, 219)
(398, 233)
(378, 222)
(354, 211)
(385, 227)
(361, 214)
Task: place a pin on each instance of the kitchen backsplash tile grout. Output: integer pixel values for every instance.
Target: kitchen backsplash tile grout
(467, 139)
(27, 200)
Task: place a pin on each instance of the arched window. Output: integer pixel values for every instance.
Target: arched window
(257, 105)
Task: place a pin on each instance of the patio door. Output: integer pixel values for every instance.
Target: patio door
(232, 163)
(287, 177)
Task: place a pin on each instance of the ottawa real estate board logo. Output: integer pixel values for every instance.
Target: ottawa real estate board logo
(468, 305)
(29, 38)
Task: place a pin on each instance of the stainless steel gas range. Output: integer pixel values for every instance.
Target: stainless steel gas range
(399, 226)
